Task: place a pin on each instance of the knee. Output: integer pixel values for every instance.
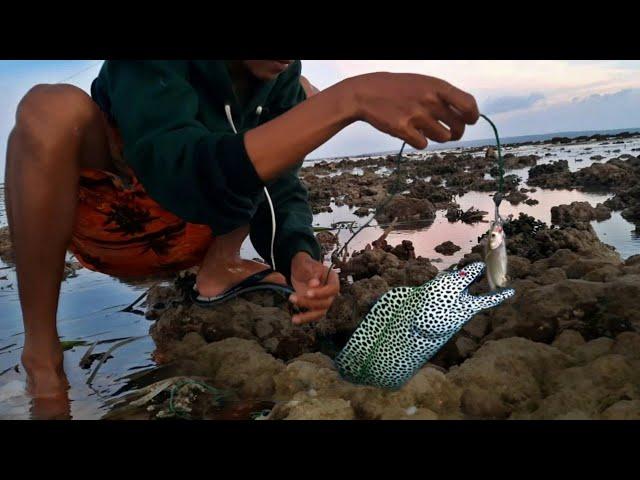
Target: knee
(49, 114)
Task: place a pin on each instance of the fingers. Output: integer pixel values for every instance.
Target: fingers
(451, 107)
(316, 298)
(325, 291)
(434, 130)
(307, 317)
(415, 138)
(450, 118)
(461, 101)
(311, 304)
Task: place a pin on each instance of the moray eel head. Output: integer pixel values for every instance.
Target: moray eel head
(446, 304)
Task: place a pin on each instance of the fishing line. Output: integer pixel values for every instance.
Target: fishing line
(497, 198)
(80, 71)
(378, 208)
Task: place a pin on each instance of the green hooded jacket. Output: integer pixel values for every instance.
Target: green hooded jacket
(173, 117)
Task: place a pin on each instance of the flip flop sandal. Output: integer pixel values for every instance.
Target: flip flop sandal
(249, 284)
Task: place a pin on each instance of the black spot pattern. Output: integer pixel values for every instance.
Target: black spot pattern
(408, 325)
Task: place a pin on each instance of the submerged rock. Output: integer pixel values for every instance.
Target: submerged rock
(439, 196)
(471, 215)
(551, 175)
(6, 249)
(406, 209)
(327, 240)
(579, 212)
(447, 248)
(515, 197)
(534, 240)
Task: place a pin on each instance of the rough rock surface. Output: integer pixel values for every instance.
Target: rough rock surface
(567, 345)
(437, 195)
(512, 161)
(447, 248)
(260, 317)
(327, 240)
(406, 209)
(6, 250)
(551, 175)
(628, 201)
(579, 212)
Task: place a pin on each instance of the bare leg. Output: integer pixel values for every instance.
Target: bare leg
(223, 267)
(58, 130)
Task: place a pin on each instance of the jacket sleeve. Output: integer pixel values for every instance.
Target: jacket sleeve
(294, 230)
(201, 176)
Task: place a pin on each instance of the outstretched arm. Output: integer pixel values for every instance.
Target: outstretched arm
(408, 106)
(296, 250)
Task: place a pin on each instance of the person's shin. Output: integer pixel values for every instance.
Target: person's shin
(225, 248)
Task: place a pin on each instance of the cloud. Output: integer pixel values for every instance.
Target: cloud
(526, 97)
(619, 109)
(510, 103)
(17, 77)
(507, 77)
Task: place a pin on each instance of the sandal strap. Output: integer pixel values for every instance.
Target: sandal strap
(253, 279)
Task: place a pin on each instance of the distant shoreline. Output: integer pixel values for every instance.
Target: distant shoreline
(520, 139)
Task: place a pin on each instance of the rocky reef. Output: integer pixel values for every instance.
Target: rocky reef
(565, 347)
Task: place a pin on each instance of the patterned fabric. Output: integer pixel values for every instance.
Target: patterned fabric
(119, 230)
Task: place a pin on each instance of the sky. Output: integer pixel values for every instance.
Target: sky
(523, 97)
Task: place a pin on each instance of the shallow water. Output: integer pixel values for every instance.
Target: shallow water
(90, 303)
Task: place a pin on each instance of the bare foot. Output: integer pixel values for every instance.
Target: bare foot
(56, 407)
(45, 371)
(221, 276)
(47, 385)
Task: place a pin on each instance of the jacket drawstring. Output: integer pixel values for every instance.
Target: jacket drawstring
(227, 111)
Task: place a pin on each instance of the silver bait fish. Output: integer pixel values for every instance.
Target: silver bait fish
(495, 256)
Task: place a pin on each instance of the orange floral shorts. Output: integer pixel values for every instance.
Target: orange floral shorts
(119, 230)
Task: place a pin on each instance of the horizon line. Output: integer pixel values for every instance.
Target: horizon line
(490, 140)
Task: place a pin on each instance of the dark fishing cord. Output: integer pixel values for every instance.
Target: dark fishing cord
(84, 69)
(378, 208)
(497, 198)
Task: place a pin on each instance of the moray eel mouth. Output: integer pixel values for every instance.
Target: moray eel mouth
(468, 275)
